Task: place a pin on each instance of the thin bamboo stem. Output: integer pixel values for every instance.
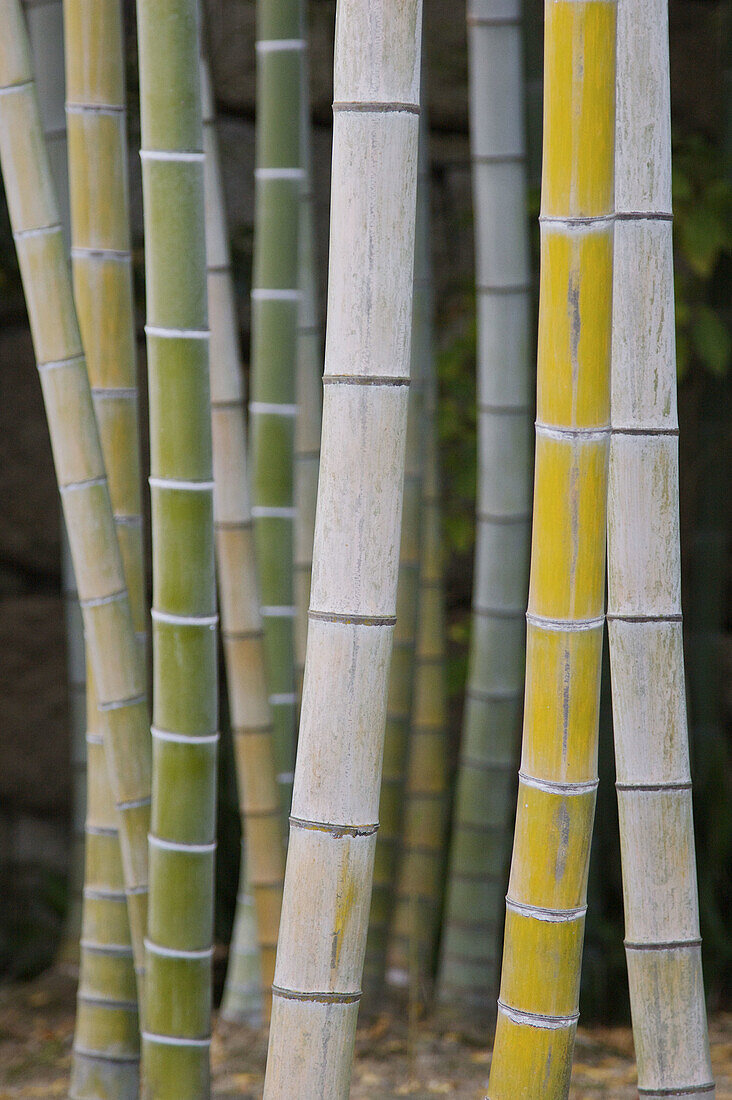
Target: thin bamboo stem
(262, 867)
(308, 383)
(102, 276)
(275, 312)
(663, 946)
(546, 901)
(45, 34)
(105, 604)
(419, 882)
(176, 1039)
(355, 558)
(486, 785)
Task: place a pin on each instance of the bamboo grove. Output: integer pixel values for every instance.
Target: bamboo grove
(301, 522)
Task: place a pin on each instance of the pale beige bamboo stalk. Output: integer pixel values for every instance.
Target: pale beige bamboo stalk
(355, 559)
(78, 457)
(44, 19)
(262, 867)
(663, 945)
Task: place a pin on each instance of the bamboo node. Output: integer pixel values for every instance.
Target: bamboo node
(178, 953)
(695, 1090)
(8, 89)
(209, 621)
(94, 108)
(279, 173)
(275, 294)
(56, 364)
(323, 998)
(270, 408)
(542, 913)
(118, 704)
(177, 333)
(283, 699)
(534, 1019)
(179, 846)
(569, 625)
(174, 1040)
(352, 619)
(265, 511)
(278, 45)
(363, 106)
(180, 486)
(183, 738)
(337, 831)
(175, 155)
(365, 380)
(275, 611)
(668, 945)
(557, 786)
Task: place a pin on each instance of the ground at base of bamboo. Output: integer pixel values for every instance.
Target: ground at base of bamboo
(432, 1059)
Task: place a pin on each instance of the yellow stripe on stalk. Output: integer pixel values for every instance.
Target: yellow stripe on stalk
(546, 902)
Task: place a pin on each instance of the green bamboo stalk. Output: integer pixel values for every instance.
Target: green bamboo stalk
(546, 900)
(44, 19)
(262, 866)
(275, 313)
(106, 1042)
(108, 626)
(486, 784)
(308, 384)
(419, 883)
(663, 945)
(355, 557)
(176, 1039)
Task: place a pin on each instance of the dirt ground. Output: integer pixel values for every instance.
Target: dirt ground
(392, 1060)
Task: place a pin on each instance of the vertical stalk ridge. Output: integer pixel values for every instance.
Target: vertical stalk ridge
(419, 886)
(105, 604)
(177, 1024)
(105, 1062)
(262, 867)
(663, 946)
(355, 558)
(308, 381)
(546, 901)
(44, 19)
(486, 785)
(275, 311)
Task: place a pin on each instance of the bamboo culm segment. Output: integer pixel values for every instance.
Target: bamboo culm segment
(546, 901)
(486, 784)
(644, 591)
(419, 882)
(108, 624)
(275, 311)
(45, 34)
(308, 381)
(176, 1035)
(102, 276)
(356, 552)
(262, 867)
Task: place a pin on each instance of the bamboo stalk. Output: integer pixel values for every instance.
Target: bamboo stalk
(420, 878)
(95, 552)
(104, 1062)
(176, 1039)
(308, 382)
(663, 946)
(45, 33)
(275, 312)
(262, 867)
(355, 558)
(546, 901)
(486, 785)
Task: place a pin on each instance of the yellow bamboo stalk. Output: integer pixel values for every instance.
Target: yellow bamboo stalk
(80, 471)
(546, 901)
(262, 867)
(105, 1061)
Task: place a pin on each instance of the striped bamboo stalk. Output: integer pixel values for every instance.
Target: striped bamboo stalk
(262, 867)
(546, 901)
(176, 1039)
(275, 313)
(108, 626)
(44, 19)
(400, 698)
(419, 882)
(308, 385)
(106, 1043)
(486, 786)
(663, 947)
(355, 559)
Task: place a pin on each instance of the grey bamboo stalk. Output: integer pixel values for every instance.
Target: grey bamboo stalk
(662, 943)
(308, 384)
(419, 882)
(275, 313)
(486, 785)
(95, 552)
(45, 32)
(106, 1042)
(355, 557)
(262, 867)
(176, 1038)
